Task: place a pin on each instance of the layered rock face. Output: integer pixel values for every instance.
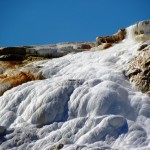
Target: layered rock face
(139, 70)
(47, 51)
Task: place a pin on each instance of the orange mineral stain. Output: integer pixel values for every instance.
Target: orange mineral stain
(11, 75)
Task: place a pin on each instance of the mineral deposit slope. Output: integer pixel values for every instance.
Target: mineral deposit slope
(85, 102)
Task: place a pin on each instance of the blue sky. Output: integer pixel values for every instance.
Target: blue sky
(37, 22)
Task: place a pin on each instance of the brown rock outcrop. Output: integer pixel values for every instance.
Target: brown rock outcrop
(85, 46)
(120, 35)
(139, 70)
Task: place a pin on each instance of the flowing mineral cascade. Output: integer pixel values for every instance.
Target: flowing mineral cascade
(140, 31)
(85, 102)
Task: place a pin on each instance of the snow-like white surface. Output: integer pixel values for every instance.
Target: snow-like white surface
(85, 102)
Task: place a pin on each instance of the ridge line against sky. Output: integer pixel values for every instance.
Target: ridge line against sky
(37, 22)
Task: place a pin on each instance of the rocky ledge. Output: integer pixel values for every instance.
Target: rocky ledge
(21, 53)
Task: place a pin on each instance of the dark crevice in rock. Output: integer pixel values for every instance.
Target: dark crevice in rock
(142, 47)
